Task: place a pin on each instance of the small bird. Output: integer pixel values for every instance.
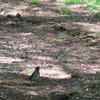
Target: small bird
(35, 74)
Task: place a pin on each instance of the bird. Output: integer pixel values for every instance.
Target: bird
(35, 74)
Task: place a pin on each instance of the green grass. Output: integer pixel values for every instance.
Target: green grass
(91, 6)
(97, 15)
(81, 1)
(98, 82)
(97, 32)
(30, 71)
(33, 1)
(31, 30)
(64, 10)
(74, 1)
(61, 37)
(96, 2)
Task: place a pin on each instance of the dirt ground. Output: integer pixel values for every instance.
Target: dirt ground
(30, 36)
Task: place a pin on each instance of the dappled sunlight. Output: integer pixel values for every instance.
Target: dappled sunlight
(49, 67)
(13, 8)
(33, 35)
(32, 93)
(48, 13)
(26, 34)
(12, 12)
(9, 60)
(23, 46)
(78, 8)
(54, 73)
(91, 27)
(46, 58)
(21, 7)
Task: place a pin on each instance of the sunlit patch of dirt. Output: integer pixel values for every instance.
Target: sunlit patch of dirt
(56, 73)
(91, 27)
(32, 40)
(9, 60)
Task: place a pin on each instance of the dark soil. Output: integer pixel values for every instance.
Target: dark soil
(30, 36)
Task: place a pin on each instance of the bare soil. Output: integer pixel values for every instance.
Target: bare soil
(29, 37)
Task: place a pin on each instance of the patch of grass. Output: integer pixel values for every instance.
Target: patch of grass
(61, 37)
(91, 6)
(35, 37)
(64, 10)
(97, 32)
(74, 1)
(33, 1)
(98, 82)
(30, 71)
(81, 1)
(97, 15)
(31, 30)
(96, 2)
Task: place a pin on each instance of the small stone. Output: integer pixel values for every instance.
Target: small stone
(75, 75)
